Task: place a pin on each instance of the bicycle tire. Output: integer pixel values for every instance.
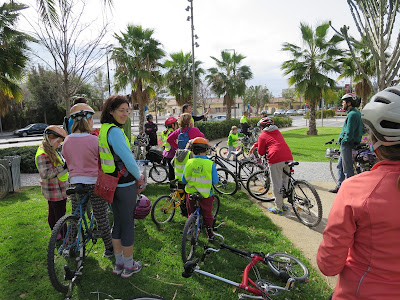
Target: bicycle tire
(309, 212)
(61, 253)
(258, 186)
(163, 210)
(215, 207)
(189, 238)
(333, 168)
(158, 173)
(246, 169)
(293, 266)
(4, 182)
(223, 152)
(227, 184)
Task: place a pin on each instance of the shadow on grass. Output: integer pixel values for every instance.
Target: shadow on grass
(22, 195)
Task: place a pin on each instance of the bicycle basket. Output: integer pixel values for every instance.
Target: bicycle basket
(154, 155)
(331, 152)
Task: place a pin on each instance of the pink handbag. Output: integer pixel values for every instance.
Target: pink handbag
(106, 185)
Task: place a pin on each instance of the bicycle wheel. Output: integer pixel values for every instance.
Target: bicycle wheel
(215, 207)
(306, 203)
(333, 168)
(65, 249)
(190, 238)
(246, 169)
(4, 182)
(258, 186)
(291, 265)
(223, 152)
(227, 184)
(163, 210)
(158, 173)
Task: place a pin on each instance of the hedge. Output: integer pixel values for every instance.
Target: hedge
(327, 114)
(27, 154)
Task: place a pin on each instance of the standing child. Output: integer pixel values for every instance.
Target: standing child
(53, 173)
(171, 124)
(150, 129)
(199, 175)
(233, 140)
(272, 143)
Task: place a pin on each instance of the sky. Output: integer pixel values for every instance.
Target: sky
(254, 28)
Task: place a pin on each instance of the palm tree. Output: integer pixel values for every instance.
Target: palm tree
(179, 76)
(310, 66)
(13, 54)
(137, 63)
(229, 78)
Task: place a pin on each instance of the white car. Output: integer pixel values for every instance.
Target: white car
(218, 118)
(290, 112)
(301, 111)
(279, 112)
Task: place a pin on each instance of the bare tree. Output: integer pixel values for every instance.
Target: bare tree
(75, 58)
(203, 93)
(375, 21)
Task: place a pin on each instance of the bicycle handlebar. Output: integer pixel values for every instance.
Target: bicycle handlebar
(224, 246)
(330, 142)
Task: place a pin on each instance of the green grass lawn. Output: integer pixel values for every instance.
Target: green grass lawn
(25, 235)
(310, 148)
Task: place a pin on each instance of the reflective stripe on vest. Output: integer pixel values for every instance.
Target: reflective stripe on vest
(106, 157)
(235, 138)
(62, 176)
(179, 166)
(198, 174)
(164, 137)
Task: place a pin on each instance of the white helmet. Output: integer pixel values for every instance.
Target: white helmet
(382, 116)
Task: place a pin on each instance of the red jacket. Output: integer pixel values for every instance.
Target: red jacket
(361, 241)
(272, 142)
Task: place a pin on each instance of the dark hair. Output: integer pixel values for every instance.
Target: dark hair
(79, 100)
(184, 107)
(112, 103)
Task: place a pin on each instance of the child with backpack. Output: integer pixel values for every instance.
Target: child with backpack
(184, 133)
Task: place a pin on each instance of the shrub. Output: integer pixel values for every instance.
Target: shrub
(327, 114)
(27, 154)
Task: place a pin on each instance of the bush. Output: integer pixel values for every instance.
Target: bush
(327, 114)
(27, 154)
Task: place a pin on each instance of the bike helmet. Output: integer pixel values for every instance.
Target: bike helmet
(352, 98)
(382, 116)
(170, 120)
(143, 207)
(149, 116)
(81, 110)
(56, 130)
(264, 122)
(199, 144)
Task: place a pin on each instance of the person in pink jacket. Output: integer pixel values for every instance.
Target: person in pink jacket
(361, 241)
(185, 124)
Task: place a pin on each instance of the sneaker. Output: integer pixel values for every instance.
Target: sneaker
(126, 273)
(335, 190)
(108, 252)
(117, 270)
(285, 207)
(275, 210)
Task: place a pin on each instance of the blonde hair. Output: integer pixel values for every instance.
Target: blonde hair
(184, 120)
(234, 128)
(82, 125)
(51, 153)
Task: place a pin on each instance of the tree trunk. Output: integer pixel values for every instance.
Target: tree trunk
(228, 103)
(312, 126)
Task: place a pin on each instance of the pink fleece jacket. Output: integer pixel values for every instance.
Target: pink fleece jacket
(193, 133)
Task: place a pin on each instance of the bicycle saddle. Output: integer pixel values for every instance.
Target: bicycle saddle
(292, 163)
(196, 196)
(77, 189)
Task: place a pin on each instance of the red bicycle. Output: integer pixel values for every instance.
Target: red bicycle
(287, 267)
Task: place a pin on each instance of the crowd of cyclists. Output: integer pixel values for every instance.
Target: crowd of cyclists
(361, 239)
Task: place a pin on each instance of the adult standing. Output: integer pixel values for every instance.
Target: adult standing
(187, 108)
(349, 137)
(244, 123)
(361, 239)
(150, 128)
(83, 167)
(115, 154)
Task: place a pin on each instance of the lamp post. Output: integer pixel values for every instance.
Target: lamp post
(190, 18)
(234, 73)
(108, 69)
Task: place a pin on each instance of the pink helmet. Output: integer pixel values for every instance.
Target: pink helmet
(143, 207)
(170, 120)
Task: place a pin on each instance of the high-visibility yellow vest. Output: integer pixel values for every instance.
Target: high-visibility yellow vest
(243, 119)
(235, 138)
(106, 157)
(179, 166)
(198, 174)
(62, 176)
(164, 137)
(193, 121)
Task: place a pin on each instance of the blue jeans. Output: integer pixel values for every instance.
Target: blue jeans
(345, 163)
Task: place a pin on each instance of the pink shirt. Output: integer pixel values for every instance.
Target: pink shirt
(81, 152)
(194, 132)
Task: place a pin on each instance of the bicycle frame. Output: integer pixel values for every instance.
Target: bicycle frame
(176, 195)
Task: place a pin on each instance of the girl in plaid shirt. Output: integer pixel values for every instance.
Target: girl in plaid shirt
(53, 173)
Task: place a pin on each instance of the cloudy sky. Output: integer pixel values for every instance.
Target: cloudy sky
(254, 28)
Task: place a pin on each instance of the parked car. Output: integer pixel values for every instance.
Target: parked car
(264, 112)
(37, 128)
(301, 111)
(290, 112)
(279, 112)
(218, 118)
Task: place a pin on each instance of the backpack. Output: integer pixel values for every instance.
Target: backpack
(183, 138)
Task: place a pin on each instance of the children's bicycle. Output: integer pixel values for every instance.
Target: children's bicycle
(287, 267)
(191, 237)
(301, 194)
(67, 245)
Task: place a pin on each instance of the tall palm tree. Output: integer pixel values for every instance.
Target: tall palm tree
(229, 78)
(310, 66)
(179, 76)
(13, 54)
(137, 60)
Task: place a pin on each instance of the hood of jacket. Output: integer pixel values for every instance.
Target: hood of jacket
(270, 128)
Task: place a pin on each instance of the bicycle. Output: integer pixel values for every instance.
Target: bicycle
(243, 148)
(191, 237)
(285, 266)
(301, 194)
(67, 246)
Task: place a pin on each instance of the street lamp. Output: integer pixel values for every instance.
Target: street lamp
(234, 73)
(108, 69)
(190, 18)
